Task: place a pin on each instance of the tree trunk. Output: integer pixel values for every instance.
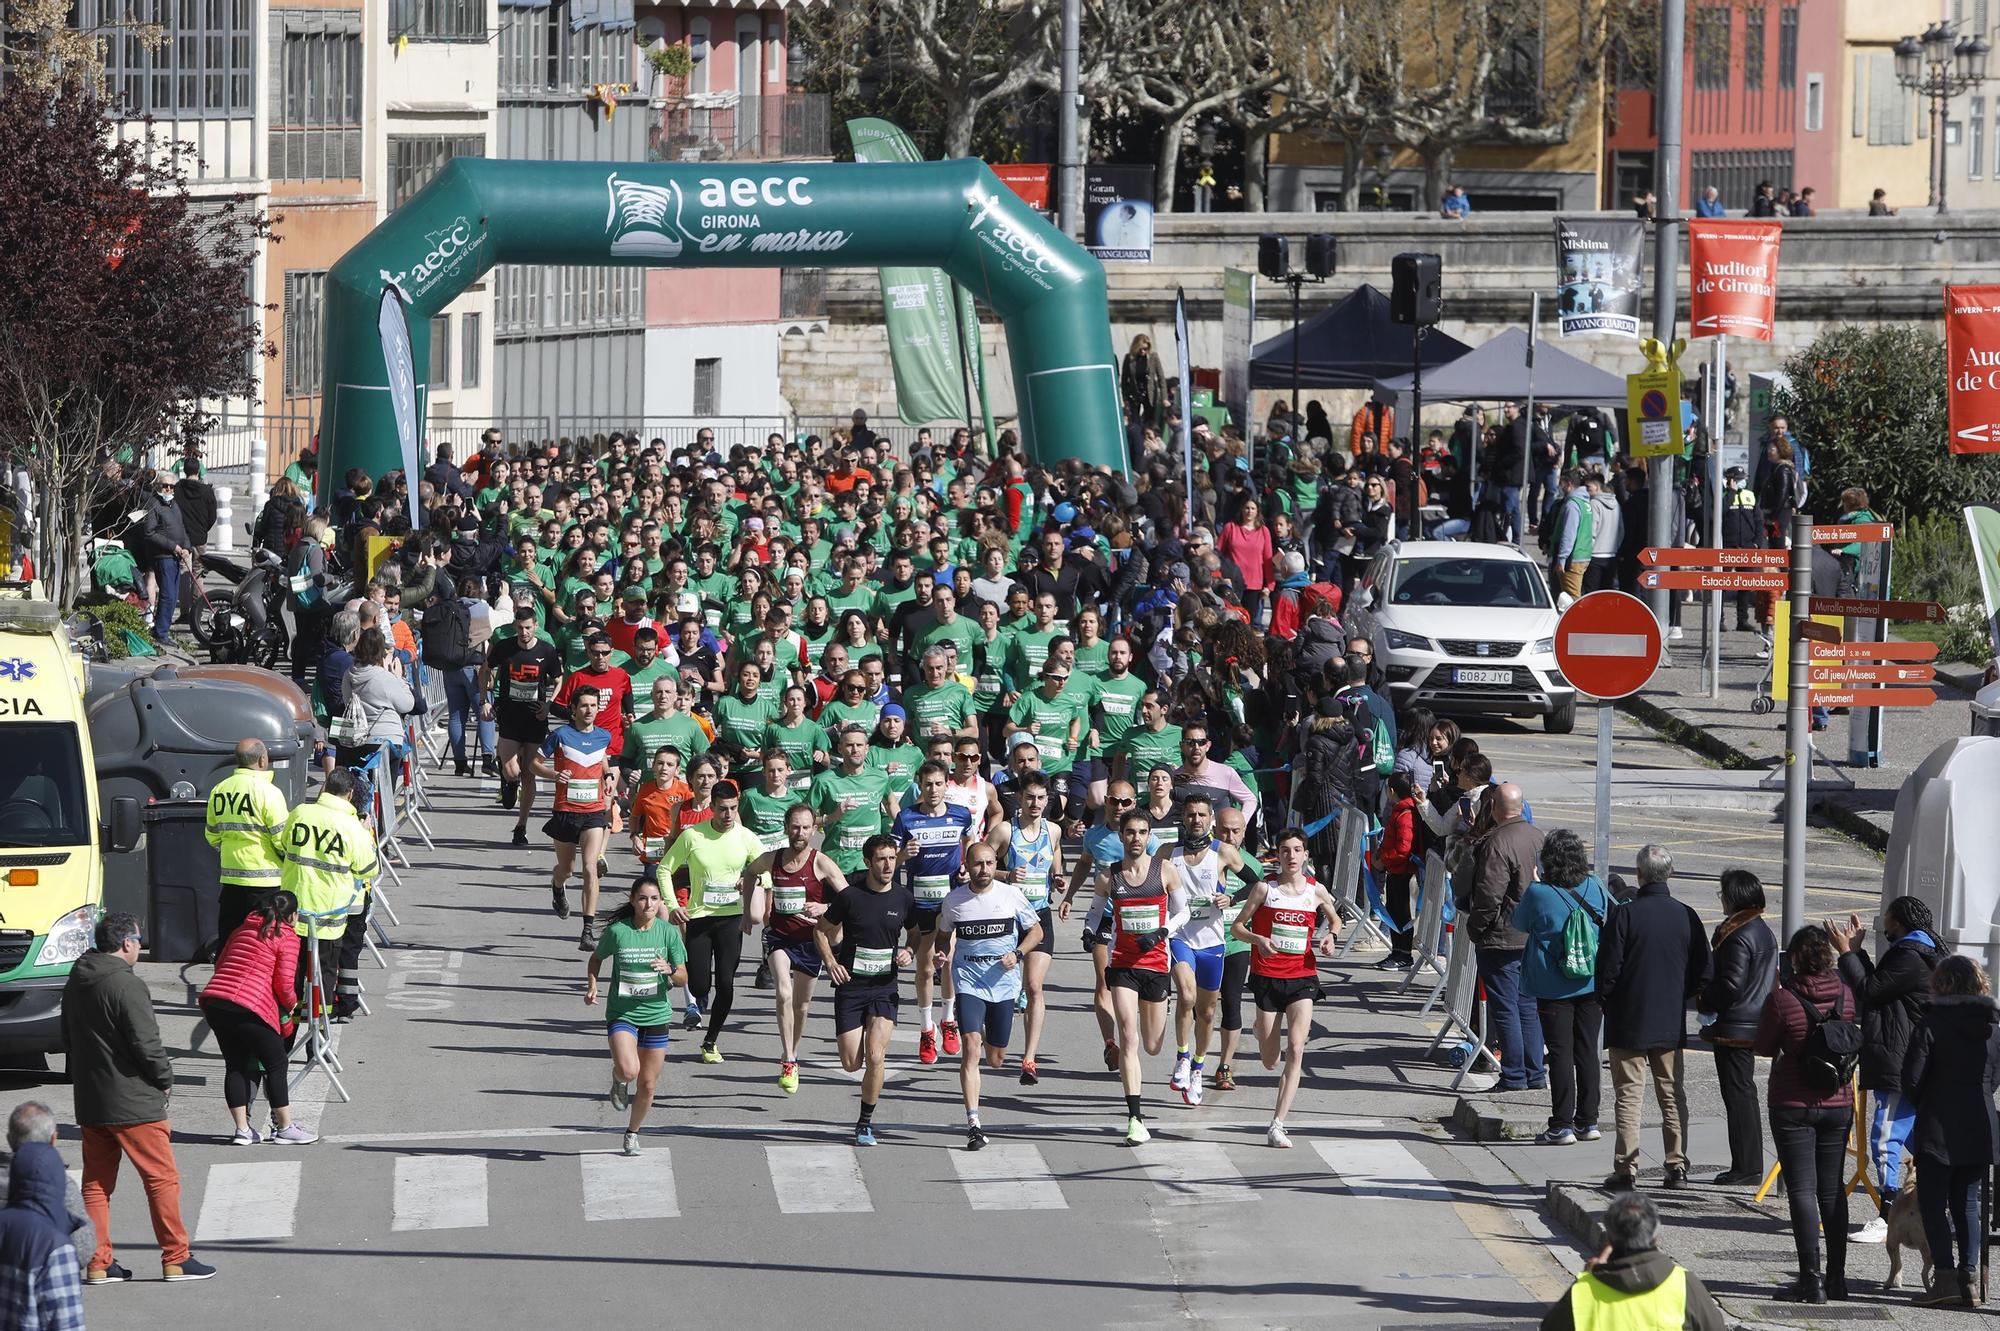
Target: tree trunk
(959, 124)
(1438, 161)
(1166, 169)
(1354, 155)
(1256, 157)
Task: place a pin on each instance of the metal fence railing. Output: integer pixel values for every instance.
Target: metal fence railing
(728, 128)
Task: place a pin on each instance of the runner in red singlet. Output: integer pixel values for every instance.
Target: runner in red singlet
(1279, 920)
(1146, 902)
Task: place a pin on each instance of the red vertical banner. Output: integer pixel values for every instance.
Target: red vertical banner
(1733, 267)
(1972, 349)
(1030, 180)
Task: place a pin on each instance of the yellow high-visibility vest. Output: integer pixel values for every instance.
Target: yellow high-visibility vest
(1596, 1306)
(246, 816)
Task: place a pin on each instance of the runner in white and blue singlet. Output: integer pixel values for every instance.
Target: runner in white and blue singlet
(931, 839)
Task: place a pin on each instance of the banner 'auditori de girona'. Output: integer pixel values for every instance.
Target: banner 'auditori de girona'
(956, 216)
(1972, 350)
(1733, 283)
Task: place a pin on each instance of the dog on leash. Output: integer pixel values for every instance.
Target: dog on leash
(1906, 1230)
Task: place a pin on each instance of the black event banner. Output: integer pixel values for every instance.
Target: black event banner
(1118, 212)
(1599, 267)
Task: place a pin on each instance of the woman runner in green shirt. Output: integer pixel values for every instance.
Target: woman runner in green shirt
(649, 960)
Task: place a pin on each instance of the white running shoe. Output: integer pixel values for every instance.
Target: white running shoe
(1278, 1137)
(1875, 1231)
(245, 1136)
(1191, 1093)
(1183, 1065)
(621, 1095)
(293, 1135)
(631, 1145)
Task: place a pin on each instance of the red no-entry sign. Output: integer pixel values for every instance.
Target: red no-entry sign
(1608, 644)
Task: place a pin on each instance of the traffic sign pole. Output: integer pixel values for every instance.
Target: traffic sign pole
(1798, 733)
(1608, 645)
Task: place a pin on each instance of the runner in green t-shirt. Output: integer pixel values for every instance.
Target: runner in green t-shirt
(1053, 719)
(1031, 645)
(891, 754)
(741, 716)
(850, 706)
(949, 625)
(1092, 651)
(647, 662)
(1115, 710)
(649, 959)
(939, 705)
(1152, 743)
(850, 800)
(765, 804)
(798, 736)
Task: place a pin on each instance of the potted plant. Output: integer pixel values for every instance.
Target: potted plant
(671, 66)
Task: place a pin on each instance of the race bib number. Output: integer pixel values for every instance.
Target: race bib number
(1138, 919)
(1036, 890)
(583, 790)
(789, 900)
(524, 690)
(722, 894)
(1201, 908)
(854, 838)
(1290, 938)
(932, 888)
(653, 847)
(643, 983)
(873, 961)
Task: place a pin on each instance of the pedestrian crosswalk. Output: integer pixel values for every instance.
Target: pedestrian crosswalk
(449, 1188)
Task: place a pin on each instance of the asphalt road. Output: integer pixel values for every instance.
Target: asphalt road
(473, 1181)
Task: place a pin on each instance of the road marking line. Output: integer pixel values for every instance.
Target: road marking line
(250, 1201)
(1194, 1173)
(1298, 1123)
(1007, 1176)
(1381, 1169)
(619, 1187)
(816, 1180)
(439, 1192)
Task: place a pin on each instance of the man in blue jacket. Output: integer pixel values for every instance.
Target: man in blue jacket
(41, 1288)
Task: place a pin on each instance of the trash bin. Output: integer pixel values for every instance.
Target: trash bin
(183, 881)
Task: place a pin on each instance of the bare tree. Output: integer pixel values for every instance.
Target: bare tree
(1203, 56)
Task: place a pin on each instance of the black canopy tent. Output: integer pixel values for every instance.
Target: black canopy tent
(1351, 344)
(1497, 371)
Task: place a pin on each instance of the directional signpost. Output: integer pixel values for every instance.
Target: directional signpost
(1607, 644)
(1931, 612)
(1653, 556)
(1716, 580)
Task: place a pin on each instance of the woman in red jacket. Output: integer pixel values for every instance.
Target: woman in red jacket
(1247, 543)
(1810, 1119)
(248, 1004)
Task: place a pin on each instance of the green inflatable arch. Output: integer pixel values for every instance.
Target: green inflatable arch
(956, 215)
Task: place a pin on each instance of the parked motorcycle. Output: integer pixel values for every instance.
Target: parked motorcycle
(246, 626)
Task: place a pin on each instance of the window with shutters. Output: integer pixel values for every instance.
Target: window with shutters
(305, 297)
(1881, 104)
(316, 97)
(202, 68)
(1975, 139)
(415, 158)
(1711, 46)
(707, 385)
(541, 57)
(468, 350)
(440, 376)
(1788, 47)
(1753, 49)
(437, 20)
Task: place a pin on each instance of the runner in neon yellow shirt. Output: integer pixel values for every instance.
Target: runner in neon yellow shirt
(713, 855)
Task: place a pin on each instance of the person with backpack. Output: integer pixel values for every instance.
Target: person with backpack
(446, 628)
(1950, 1072)
(1503, 865)
(1894, 992)
(1809, 1027)
(1742, 972)
(1563, 914)
(1651, 958)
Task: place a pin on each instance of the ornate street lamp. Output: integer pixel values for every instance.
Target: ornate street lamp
(1936, 67)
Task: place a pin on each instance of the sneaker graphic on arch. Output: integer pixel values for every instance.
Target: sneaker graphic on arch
(644, 219)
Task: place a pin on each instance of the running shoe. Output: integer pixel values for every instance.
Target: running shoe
(1111, 1056)
(1278, 1137)
(1179, 1081)
(1556, 1137)
(1589, 1133)
(603, 867)
(763, 980)
(521, 836)
(1021, 1002)
(293, 1135)
(621, 1097)
(975, 1137)
(587, 940)
(709, 1053)
(1875, 1231)
(951, 1045)
(1225, 1080)
(788, 1079)
(1191, 1093)
(864, 1134)
(113, 1274)
(927, 1047)
(186, 1269)
(1136, 1133)
(510, 792)
(630, 1146)
(1030, 1074)
(559, 902)
(245, 1136)
(692, 1021)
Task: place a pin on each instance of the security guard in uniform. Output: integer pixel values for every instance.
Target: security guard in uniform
(329, 861)
(1631, 1285)
(246, 816)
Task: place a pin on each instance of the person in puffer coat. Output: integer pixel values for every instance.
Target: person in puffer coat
(1743, 967)
(1949, 1073)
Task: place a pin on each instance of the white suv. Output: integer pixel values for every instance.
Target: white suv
(1463, 628)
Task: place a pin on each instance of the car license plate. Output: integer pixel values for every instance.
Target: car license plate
(1482, 677)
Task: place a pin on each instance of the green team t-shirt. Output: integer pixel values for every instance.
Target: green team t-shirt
(639, 994)
(765, 815)
(852, 807)
(963, 631)
(1054, 715)
(1239, 892)
(888, 598)
(862, 598)
(647, 736)
(836, 715)
(939, 711)
(643, 677)
(715, 862)
(1094, 660)
(799, 743)
(741, 722)
(1118, 705)
(1030, 649)
(898, 764)
(1143, 751)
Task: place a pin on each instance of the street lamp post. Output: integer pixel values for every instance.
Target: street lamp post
(1935, 67)
(1204, 181)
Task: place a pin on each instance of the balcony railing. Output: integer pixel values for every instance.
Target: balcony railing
(728, 128)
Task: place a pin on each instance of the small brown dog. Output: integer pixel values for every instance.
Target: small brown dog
(1906, 1230)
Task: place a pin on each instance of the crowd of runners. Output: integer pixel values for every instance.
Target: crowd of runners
(877, 720)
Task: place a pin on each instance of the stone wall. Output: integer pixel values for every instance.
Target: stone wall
(1844, 268)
